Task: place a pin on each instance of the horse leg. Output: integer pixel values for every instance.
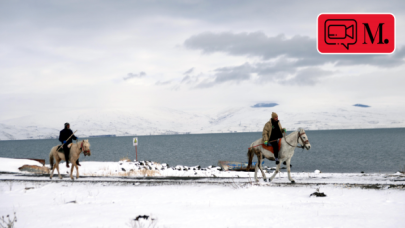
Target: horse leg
(77, 171)
(275, 172)
(57, 168)
(289, 171)
(53, 168)
(71, 170)
(256, 172)
(261, 169)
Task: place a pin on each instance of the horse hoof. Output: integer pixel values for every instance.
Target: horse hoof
(292, 182)
(265, 180)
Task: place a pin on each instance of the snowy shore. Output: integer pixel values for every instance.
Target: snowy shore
(109, 194)
(149, 170)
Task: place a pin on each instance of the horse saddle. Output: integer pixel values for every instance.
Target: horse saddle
(60, 148)
(270, 147)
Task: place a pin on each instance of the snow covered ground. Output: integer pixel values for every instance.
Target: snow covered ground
(158, 121)
(99, 205)
(139, 170)
(105, 198)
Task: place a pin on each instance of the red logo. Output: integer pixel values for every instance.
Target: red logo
(356, 33)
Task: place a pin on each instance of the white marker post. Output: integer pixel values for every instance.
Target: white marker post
(135, 141)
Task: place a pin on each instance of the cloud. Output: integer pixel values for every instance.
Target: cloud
(163, 83)
(186, 79)
(189, 71)
(301, 48)
(283, 60)
(236, 74)
(252, 44)
(266, 73)
(190, 80)
(66, 47)
(132, 75)
(228, 74)
(307, 77)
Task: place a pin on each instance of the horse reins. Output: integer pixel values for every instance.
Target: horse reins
(299, 137)
(262, 144)
(85, 152)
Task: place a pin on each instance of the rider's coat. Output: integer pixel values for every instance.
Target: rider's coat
(65, 134)
(267, 130)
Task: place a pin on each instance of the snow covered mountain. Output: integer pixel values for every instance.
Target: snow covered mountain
(158, 121)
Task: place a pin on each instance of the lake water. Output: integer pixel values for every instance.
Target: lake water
(342, 151)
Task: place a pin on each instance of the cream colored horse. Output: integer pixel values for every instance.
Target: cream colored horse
(75, 150)
(286, 151)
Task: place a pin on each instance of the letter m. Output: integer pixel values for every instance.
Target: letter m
(370, 35)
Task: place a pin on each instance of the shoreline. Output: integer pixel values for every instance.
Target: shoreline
(207, 133)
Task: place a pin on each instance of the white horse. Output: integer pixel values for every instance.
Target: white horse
(286, 151)
(75, 150)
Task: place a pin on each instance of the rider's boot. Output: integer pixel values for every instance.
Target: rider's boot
(67, 164)
(277, 161)
(77, 162)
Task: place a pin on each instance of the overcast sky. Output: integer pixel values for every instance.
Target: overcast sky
(187, 55)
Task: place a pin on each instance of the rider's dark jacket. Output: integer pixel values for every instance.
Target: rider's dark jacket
(272, 130)
(65, 134)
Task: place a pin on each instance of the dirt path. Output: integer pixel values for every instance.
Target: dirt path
(165, 181)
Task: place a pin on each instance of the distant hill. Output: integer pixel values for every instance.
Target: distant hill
(361, 106)
(164, 121)
(264, 105)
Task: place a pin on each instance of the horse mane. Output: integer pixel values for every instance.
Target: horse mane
(300, 129)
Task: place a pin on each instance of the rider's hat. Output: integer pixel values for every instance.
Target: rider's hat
(274, 115)
(66, 124)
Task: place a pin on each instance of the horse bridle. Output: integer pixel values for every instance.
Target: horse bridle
(85, 152)
(299, 137)
(302, 140)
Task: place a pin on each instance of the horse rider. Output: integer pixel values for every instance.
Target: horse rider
(271, 132)
(64, 138)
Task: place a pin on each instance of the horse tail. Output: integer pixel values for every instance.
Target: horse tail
(51, 158)
(250, 155)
